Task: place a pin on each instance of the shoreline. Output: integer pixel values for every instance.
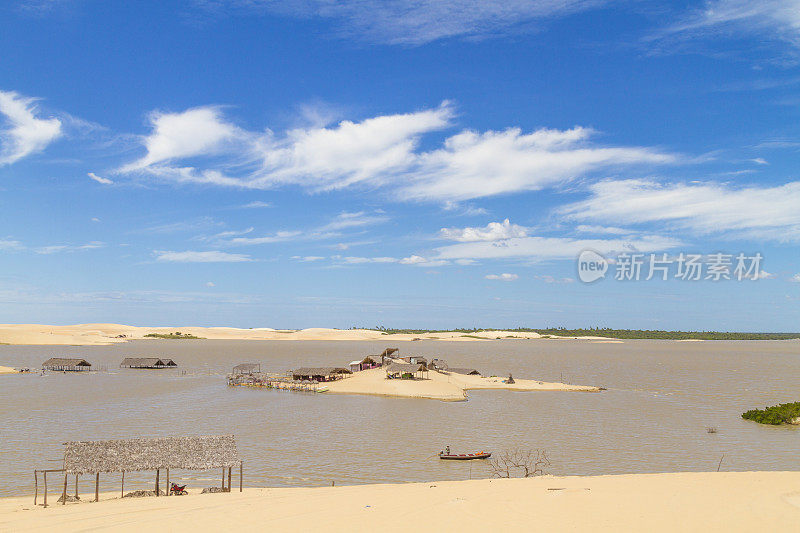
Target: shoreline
(686, 501)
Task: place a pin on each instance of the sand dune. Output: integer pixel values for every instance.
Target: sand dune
(715, 501)
(446, 387)
(100, 334)
(7, 370)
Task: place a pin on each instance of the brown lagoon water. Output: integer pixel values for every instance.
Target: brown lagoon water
(661, 397)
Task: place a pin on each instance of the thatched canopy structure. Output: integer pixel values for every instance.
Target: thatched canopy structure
(130, 455)
(147, 362)
(66, 364)
(467, 371)
(389, 352)
(325, 373)
(247, 368)
(402, 369)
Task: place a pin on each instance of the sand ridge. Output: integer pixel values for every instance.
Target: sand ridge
(687, 501)
(104, 334)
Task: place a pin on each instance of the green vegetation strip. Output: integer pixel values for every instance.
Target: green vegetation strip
(176, 335)
(775, 415)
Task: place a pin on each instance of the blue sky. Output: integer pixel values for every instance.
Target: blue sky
(297, 164)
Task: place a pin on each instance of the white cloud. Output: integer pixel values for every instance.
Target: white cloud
(24, 133)
(795, 278)
(210, 284)
(409, 22)
(474, 165)
(760, 161)
(10, 244)
(99, 179)
(200, 257)
(56, 248)
(256, 205)
(551, 279)
(550, 247)
(379, 152)
(358, 260)
(602, 230)
(194, 132)
(417, 260)
(773, 18)
(95, 219)
(278, 236)
(308, 258)
(706, 208)
(353, 220)
(494, 231)
(503, 277)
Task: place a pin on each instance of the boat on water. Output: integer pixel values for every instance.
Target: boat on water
(464, 456)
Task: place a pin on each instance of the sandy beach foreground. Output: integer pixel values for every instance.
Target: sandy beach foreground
(713, 501)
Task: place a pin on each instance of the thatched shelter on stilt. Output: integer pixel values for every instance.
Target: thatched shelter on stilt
(64, 364)
(136, 455)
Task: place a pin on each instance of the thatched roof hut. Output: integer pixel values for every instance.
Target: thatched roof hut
(399, 370)
(147, 362)
(467, 371)
(66, 364)
(247, 368)
(130, 455)
(325, 373)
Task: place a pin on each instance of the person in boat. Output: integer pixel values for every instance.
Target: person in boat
(447, 450)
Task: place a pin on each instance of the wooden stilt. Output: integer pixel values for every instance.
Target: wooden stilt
(122, 490)
(97, 487)
(169, 492)
(241, 470)
(158, 472)
(223, 479)
(76, 486)
(64, 492)
(45, 489)
(35, 487)
(229, 478)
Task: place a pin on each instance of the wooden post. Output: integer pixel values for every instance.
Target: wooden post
(223, 479)
(76, 486)
(123, 485)
(158, 472)
(45, 488)
(169, 492)
(229, 478)
(97, 487)
(35, 486)
(64, 492)
(241, 469)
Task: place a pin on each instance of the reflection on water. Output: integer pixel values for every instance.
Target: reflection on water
(661, 397)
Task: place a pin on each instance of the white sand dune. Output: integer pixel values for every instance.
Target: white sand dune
(99, 334)
(704, 501)
(7, 370)
(446, 387)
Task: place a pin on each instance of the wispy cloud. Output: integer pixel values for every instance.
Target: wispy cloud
(541, 248)
(99, 179)
(23, 132)
(256, 205)
(413, 23)
(505, 276)
(705, 208)
(773, 19)
(57, 248)
(200, 257)
(379, 152)
(353, 220)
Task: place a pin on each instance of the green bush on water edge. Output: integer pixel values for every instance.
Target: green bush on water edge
(776, 415)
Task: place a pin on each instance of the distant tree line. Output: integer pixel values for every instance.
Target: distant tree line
(610, 333)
